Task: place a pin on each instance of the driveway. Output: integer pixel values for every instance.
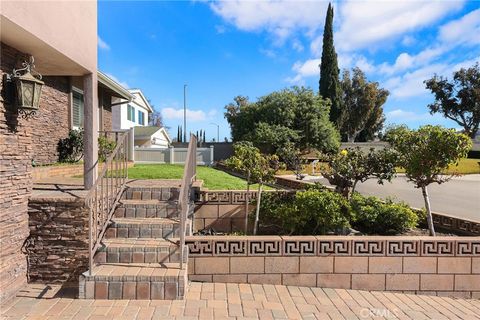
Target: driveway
(459, 197)
(248, 301)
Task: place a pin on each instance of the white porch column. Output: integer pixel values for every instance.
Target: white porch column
(131, 144)
(90, 124)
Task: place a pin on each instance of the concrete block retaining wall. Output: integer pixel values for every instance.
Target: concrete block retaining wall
(440, 266)
(224, 211)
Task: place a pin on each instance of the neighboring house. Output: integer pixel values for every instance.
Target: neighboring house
(151, 137)
(63, 40)
(129, 114)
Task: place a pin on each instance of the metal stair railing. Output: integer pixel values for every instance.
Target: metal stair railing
(184, 199)
(103, 197)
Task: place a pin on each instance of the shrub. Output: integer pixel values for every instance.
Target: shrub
(325, 211)
(310, 212)
(70, 149)
(277, 211)
(372, 215)
(105, 148)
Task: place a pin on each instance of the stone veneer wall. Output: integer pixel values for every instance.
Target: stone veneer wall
(58, 243)
(15, 185)
(107, 118)
(52, 121)
(448, 266)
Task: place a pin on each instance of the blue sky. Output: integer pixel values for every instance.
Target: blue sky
(251, 48)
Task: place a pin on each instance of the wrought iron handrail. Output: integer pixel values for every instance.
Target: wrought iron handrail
(105, 193)
(184, 198)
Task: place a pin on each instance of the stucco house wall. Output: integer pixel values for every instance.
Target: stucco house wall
(62, 36)
(120, 111)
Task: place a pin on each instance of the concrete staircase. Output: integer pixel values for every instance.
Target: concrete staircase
(140, 255)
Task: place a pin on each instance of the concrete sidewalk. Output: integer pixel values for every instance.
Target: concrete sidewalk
(250, 301)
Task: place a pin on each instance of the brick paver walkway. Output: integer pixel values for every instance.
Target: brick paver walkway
(242, 301)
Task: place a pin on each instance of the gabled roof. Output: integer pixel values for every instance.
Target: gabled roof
(117, 89)
(139, 93)
(145, 132)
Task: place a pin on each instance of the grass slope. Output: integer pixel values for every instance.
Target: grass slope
(213, 179)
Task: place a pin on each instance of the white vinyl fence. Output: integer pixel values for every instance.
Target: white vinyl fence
(172, 155)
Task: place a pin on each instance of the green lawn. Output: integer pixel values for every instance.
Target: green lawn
(213, 179)
(465, 166)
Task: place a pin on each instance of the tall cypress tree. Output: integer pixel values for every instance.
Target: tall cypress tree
(329, 79)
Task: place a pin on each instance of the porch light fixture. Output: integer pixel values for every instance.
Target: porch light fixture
(28, 88)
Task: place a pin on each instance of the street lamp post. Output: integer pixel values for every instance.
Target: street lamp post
(218, 130)
(184, 113)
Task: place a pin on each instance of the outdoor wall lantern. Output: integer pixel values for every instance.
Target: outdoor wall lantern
(27, 88)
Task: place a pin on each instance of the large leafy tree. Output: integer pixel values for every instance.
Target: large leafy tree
(362, 106)
(458, 100)
(329, 72)
(425, 154)
(295, 115)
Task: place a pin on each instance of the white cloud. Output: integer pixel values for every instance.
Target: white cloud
(401, 116)
(176, 114)
(408, 40)
(367, 23)
(122, 83)
(102, 44)
(278, 17)
(268, 53)
(411, 84)
(465, 30)
(305, 69)
(297, 45)
(405, 61)
(351, 60)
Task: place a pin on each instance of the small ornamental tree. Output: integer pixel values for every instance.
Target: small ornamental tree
(425, 154)
(256, 168)
(291, 156)
(351, 166)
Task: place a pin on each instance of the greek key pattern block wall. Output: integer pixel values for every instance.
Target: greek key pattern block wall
(440, 266)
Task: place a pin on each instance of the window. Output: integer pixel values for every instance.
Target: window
(131, 113)
(77, 109)
(141, 118)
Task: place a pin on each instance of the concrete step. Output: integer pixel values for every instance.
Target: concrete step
(156, 228)
(138, 250)
(135, 281)
(131, 208)
(149, 193)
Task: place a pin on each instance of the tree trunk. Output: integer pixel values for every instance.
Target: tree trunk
(429, 212)
(246, 203)
(353, 188)
(257, 212)
(351, 138)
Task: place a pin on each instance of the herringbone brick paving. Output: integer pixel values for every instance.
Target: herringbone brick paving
(251, 301)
